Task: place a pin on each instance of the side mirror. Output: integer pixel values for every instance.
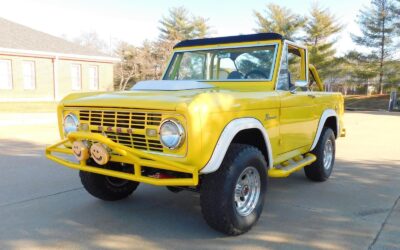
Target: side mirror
(298, 84)
(301, 84)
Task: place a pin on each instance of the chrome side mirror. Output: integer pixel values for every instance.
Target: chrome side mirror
(298, 84)
(301, 84)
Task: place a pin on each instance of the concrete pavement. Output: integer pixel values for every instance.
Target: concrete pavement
(43, 205)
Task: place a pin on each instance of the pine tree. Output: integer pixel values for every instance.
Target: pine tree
(280, 20)
(176, 26)
(392, 74)
(397, 15)
(201, 27)
(361, 69)
(148, 61)
(320, 30)
(377, 24)
(179, 25)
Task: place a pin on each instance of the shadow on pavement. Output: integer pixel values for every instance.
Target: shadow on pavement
(43, 205)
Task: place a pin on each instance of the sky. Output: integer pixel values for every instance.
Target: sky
(137, 20)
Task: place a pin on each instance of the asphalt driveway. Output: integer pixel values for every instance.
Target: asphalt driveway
(43, 205)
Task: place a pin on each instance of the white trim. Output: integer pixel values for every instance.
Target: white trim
(60, 55)
(295, 44)
(31, 83)
(325, 115)
(9, 75)
(76, 76)
(226, 138)
(93, 79)
(56, 96)
(171, 85)
(33, 99)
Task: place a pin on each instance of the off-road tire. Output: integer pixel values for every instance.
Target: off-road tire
(316, 171)
(217, 190)
(106, 188)
(174, 189)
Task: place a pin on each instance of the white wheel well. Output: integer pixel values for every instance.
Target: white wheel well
(326, 118)
(228, 135)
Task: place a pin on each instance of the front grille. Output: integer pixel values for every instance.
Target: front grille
(120, 119)
(132, 126)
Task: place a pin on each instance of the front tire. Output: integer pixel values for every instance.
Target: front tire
(232, 198)
(108, 188)
(321, 169)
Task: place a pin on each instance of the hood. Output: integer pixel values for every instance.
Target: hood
(157, 95)
(168, 85)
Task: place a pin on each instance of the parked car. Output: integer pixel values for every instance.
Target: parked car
(228, 113)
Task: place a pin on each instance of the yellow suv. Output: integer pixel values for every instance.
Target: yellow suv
(228, 113)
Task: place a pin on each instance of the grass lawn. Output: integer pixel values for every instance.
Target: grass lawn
(373, 102)
(28, 107)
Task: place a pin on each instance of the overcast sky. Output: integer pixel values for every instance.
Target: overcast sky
(134, 21)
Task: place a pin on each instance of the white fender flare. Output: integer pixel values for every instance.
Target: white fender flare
(325, 115)
(230, 131)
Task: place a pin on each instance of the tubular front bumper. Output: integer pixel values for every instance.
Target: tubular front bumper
(123, 154)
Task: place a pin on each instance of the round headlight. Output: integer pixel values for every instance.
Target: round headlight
(171, 133)
(71, 123)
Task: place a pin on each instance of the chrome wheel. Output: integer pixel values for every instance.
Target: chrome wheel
(247, 191)
(328, 154)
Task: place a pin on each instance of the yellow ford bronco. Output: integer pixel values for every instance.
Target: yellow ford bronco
(228, 113)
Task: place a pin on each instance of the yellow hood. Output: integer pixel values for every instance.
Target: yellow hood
(158, 100)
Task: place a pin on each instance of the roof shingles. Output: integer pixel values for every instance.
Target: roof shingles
(17, 36)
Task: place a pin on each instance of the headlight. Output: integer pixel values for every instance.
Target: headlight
(171, 133)
(71, 123)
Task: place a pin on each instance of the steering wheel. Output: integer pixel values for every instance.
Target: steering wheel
(255, 72)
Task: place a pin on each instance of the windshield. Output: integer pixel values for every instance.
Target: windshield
(252, 63)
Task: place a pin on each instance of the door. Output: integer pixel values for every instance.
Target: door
(297, 114)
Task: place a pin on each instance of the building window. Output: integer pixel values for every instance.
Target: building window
(76, 78)
(5, 74)
(28, 70)
(93, 78)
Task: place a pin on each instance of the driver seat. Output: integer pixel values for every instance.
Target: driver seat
(235, 75)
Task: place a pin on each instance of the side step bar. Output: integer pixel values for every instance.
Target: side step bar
(290, 166)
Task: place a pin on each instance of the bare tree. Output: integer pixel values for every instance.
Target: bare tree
(93, 41)
(148, 60)
(125, 70)
(136, 63)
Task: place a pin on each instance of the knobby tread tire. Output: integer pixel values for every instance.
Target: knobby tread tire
(98, 186)
(316, 171)
(216, 196)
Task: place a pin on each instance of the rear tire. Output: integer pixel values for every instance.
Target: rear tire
(108, 188)
(321, 169)
(232, 198)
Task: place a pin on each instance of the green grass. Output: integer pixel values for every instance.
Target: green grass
(373, 102)
(28, 107)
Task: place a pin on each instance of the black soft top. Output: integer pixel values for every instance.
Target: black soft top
(230, 39)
